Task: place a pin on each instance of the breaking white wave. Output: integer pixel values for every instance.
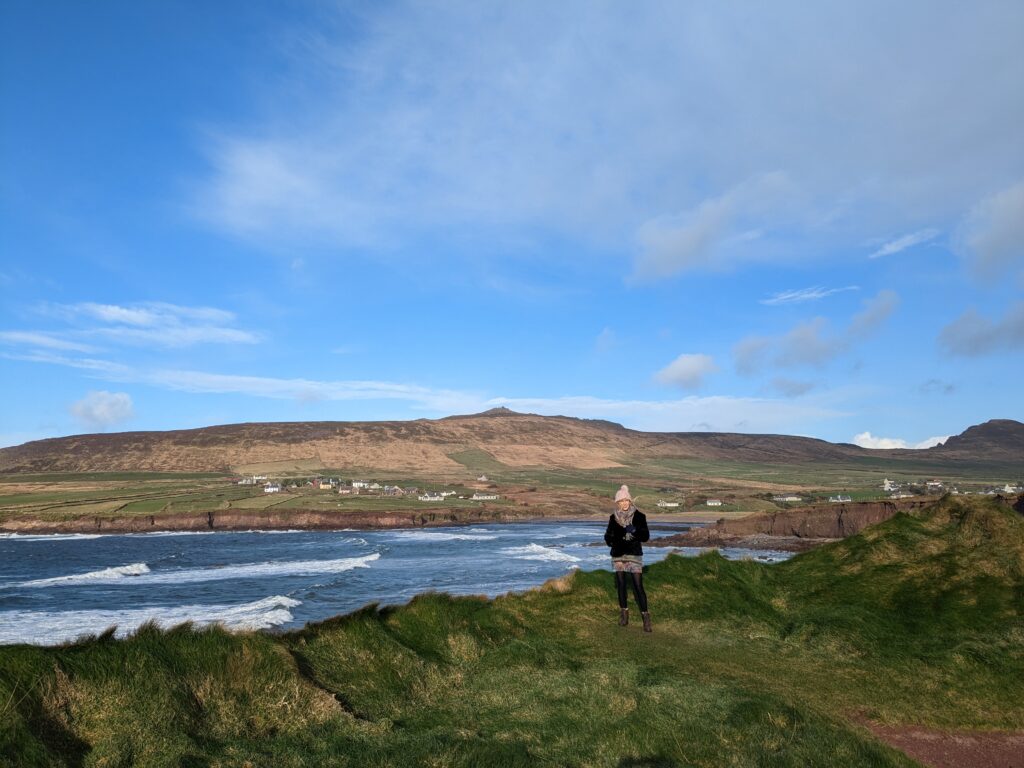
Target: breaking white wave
(48, 536)
(140, 572)
(537, 552)
(104, 576)
(441, 536)
(47, 628)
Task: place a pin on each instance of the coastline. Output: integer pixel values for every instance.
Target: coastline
(305, 520)
(236, 520)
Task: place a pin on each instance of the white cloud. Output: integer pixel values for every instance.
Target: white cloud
(701, 237)
(992, 236)
(43, 340)
(101, 409)
(158, 324)
(876, 311)
(972, 335)
(721, 413)
(907, 241)
(751, 353)
(687, 371)
(804, 294)
(592, 120)
(867, 440)
(812, 343)
(808, 343)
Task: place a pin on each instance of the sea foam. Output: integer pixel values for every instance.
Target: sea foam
(441, 536)
(141, 573)
(47, 628)
(538, 552)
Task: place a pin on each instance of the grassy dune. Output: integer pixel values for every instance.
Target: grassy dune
(915, 621)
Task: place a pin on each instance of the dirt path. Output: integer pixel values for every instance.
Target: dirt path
(954, 749)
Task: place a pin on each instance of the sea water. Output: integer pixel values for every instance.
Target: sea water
(57, 588)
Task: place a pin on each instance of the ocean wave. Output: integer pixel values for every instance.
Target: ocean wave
(538, 552)
(441, 536)
(103, 576)
(214, 573)
(47, 628)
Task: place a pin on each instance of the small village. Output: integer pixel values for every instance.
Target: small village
(371, 488)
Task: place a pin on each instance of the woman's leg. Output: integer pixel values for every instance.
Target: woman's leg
(620, 585)
(638, 591)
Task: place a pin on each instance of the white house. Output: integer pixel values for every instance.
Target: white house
(668, 504)
(787, 498)
(840, 499)
(482, 479)
(714, 502)
(360, 484)
(373, 487)
(889, 485)
(448, 493)
(431, 497)
(271, 488)
(484, 496)
(1012, 488)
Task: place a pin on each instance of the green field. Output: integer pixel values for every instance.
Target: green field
(743, 487)
(916, 621)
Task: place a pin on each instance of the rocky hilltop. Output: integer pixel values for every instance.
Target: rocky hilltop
(500, 437)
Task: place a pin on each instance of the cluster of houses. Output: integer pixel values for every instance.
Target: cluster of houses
(356, 487)
(787, 498)
(906, 490)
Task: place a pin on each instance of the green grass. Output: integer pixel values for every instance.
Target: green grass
(917, 620)
(478, 461)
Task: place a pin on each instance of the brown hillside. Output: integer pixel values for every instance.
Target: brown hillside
(424, 445)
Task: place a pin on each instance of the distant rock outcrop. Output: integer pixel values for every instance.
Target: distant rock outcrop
(793, 529)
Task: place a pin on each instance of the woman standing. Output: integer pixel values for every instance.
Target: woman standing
(627, 529)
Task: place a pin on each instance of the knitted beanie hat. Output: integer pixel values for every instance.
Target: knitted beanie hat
(623, 493)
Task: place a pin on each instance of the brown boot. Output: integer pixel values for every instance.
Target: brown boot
(646, 615)
(623, 617)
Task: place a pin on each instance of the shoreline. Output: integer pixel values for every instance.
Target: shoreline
(301, 520)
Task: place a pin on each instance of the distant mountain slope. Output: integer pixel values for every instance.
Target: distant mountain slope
(499, 438)
(995, 439)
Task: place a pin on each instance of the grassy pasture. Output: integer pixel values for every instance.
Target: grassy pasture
(918, 620)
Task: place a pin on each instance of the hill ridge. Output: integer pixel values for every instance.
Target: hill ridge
(434, 445)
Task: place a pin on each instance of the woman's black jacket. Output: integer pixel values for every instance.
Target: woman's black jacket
(615, 536)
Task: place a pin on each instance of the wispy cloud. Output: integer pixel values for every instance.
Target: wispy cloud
(43, 340)
(156, 324)
(907, 241)
(402, 124)
(972, 335)
(991, 237)
(719, 412)
(812, 342)
(804, 294)
(700, 237)
(791, 387)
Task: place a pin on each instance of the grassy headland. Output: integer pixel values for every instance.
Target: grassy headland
(918, 620)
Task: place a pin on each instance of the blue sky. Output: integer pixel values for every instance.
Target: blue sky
(678, 216)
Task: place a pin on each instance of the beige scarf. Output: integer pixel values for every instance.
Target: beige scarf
(624, 518)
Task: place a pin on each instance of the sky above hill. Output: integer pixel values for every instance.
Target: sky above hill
(755, 217)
